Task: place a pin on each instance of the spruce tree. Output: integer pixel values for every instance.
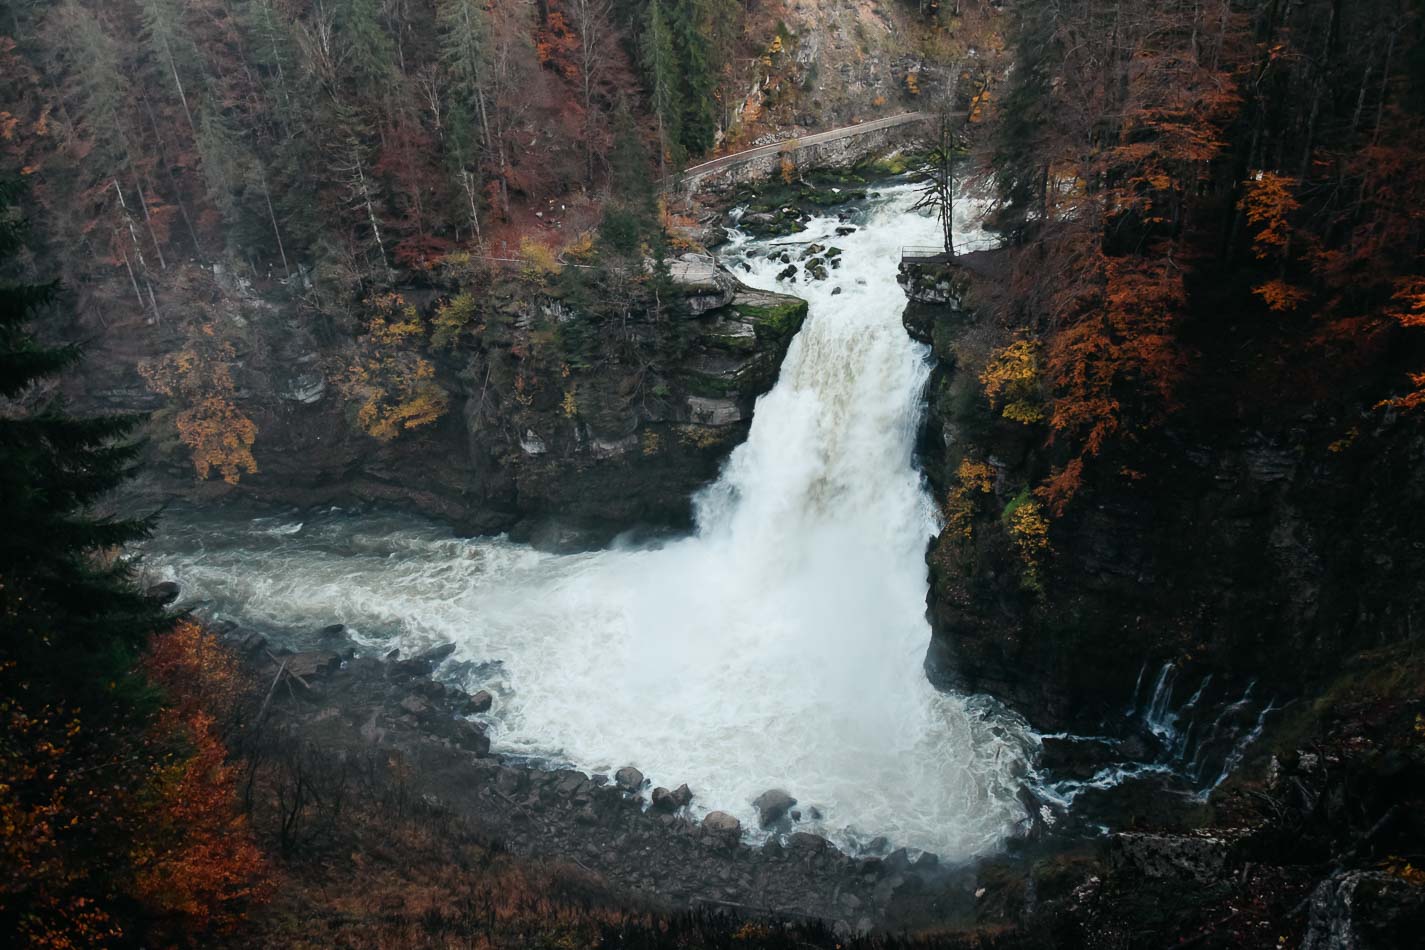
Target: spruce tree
(71, 617)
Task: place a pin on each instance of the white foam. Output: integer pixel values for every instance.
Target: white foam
(780, 645)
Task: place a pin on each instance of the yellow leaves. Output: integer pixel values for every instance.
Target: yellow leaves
(1280, 296)
(1012, 377)
(395, 386)
(1029, 532)
(975, 478)
(219, 436)
(1269, 202)
(451, 319)
(570, 405)
(978, 104)
(538, 258)
(912, 83)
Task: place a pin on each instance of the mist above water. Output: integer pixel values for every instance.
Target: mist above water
(780, 645)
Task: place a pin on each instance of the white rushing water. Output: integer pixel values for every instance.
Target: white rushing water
(780, 645)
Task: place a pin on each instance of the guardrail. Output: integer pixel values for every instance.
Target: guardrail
(923, 254)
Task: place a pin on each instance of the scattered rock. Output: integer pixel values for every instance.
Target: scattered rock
(423, 664)
(771, 805)
(806, 843)
(1156, 856)
(313, 665)
(665, 800)
(721, 823)
(165, 592)
(1364, 910)
(628, 778)
(845, 229)
(788, 273)
(417, 706)
(835, 291)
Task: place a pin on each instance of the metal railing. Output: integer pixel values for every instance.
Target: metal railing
(925, 254)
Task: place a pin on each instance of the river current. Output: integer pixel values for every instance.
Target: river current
(778, 645)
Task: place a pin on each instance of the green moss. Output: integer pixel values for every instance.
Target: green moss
(777, 321)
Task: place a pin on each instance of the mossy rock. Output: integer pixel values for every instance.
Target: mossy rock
(775, 320)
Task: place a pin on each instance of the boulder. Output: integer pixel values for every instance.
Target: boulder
(1198, 858)
(628, 778)
(771, 805)
(165, 592)
(480, 702)
(801, 842)
(721, 823)
(423, 664)
(664, 800)
(788, 273)
(313, 665)
(1365, 910)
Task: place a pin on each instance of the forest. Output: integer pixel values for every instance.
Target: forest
(453, 234)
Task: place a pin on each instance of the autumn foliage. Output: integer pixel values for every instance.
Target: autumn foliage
(1169, 170)
(197, 868)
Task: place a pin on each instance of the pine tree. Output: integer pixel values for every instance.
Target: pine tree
(70, 614)
(660, 65)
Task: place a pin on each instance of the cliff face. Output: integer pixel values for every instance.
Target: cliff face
(549, 431)
(1261, 548)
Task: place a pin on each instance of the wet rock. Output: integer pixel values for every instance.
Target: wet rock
(165, 592)
(422, 664)
(664, 800)
(802, 842)
(788, 273)
(313, 665)
(1365, 910)
(835, 291)
(845, 229)
(336, 631)
(480, 702)
(721, 823)
(771, 805)
(628, 778)
(417, 706)
(1197, 858)
(252, 644)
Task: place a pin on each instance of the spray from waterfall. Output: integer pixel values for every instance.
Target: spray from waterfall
(780, 645)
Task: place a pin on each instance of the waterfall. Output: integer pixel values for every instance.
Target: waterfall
(780, 645)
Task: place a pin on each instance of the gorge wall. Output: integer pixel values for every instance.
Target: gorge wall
(547, 429)
(1260, 545)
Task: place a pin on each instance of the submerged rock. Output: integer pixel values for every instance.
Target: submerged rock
(771, 805)
(165, 592)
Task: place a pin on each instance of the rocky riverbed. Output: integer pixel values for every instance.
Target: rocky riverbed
(639, 839)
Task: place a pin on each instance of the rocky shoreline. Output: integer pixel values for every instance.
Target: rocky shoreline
(640, 840)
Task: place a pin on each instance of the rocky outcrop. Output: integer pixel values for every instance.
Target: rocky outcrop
(558, 429)
(1258, 548)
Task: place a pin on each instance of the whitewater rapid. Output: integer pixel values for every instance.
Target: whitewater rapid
(780, 645)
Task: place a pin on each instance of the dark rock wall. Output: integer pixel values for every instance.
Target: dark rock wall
(1257, 546)
(567, 455)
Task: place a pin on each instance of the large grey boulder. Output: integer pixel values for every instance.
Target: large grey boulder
(771, 805)
(628, 778)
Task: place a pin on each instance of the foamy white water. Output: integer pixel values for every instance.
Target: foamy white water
(778, 646)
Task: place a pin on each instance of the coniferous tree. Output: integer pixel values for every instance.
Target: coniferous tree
(70, 614)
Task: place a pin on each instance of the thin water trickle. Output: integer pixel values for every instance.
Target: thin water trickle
(779, 645)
